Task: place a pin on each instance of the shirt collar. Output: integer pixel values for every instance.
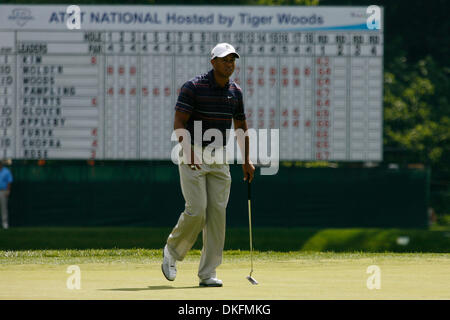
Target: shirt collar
(213, 83)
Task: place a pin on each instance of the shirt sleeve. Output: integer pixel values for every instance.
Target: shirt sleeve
(239, 113)
(186, 98)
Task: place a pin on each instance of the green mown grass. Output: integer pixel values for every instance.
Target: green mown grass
(136, 274)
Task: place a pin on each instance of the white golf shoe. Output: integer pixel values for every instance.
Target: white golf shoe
(211, 282)
(168, 266)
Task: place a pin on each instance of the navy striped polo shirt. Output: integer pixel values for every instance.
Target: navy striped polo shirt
(211, 104)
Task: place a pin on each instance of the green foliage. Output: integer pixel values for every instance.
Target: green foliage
(416, 113)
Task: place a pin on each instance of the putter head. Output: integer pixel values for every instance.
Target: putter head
(252, 280)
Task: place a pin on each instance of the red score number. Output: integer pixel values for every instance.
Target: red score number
(322, 113)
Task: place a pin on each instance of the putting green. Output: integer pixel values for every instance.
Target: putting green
(300, 276)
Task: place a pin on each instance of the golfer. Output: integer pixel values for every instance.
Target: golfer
(214, 101)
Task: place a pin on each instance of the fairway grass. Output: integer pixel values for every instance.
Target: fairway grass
(136, 274)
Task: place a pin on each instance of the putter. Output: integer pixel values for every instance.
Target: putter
(250, 278)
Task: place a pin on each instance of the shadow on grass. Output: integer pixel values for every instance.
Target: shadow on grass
(151, 288)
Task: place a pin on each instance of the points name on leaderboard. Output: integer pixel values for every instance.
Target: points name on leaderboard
(143, 18)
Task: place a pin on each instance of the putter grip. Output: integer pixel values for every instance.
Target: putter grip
(249, 189)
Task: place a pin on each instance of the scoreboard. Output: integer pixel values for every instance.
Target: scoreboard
(108, 89)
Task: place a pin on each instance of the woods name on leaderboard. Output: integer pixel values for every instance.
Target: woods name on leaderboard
(108, 90)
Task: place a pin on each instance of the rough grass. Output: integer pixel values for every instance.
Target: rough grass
(264, 239)
(61, 257)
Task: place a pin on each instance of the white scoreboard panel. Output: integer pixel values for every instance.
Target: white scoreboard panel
(108, 90)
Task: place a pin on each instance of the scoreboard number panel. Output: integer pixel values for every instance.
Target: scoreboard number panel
(108, 90)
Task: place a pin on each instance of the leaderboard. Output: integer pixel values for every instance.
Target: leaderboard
(108, 90)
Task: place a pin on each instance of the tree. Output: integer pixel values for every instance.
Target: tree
(417, 117)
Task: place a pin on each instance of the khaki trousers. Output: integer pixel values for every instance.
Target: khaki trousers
(206, 194)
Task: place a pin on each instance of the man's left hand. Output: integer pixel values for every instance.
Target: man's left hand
(248, 170)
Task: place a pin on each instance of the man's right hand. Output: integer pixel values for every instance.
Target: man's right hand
(181, 119)
(195, 163)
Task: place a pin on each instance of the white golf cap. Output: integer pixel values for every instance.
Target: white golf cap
(222, 50)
